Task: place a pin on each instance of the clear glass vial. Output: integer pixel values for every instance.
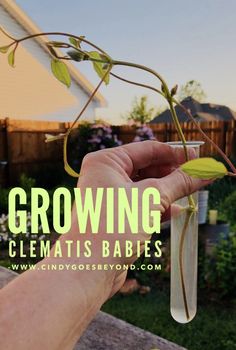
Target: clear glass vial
(184, 255)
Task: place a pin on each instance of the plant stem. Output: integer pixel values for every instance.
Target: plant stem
(5, 33)
(90, 98)
(76, 119)
(231, 174)
(135, 66)
(142, 67)
(181, 246)
(178, 127)
(223, 155)
(137, 84)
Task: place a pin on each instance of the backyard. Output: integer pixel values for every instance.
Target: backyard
(213, 328)
(216, 278)
(117, 209)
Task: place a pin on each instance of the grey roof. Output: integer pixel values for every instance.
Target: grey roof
(201, 111)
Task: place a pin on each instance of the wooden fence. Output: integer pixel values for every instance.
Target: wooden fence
(23, 150)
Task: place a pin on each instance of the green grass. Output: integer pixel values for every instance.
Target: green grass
(213, 328)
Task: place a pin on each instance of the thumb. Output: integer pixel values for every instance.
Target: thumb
(174, 186)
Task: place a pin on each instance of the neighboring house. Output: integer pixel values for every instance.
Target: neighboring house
(30, 91)
(201, 111)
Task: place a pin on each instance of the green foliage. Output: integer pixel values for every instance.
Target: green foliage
(75, 42)
(26, 183)
(11, 58)
(192, 89)
(101, 63)
(151, 312)
(220, 269)
(99, 66)
(89, 138)
(4, 49)
(61, 72)
(77, 56)
(219, 190)
(140, 113)
(204, 168)
(229, 208)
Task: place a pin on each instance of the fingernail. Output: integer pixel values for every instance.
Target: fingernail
(192, 153)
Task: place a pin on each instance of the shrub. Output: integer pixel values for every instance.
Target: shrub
(6, 235)
(229, 208)
(89, 138)
(26, 183)
(144, 133)
(221, 189)
(220, 269)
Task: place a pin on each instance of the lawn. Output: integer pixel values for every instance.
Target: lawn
(212, 329)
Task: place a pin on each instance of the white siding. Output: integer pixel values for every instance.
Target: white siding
(33, 47)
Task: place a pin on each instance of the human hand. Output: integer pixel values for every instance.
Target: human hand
(64, 302)
(141, 165)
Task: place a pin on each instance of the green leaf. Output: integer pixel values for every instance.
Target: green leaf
(99, 66)
(204, 168)
(11, 58)
(74, 42)
(77, 56)
(60, 71)
(4, 49)
(67, 166)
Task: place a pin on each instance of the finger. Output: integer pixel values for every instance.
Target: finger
(178, 185)
(172, 211)
(152, 171)
(156, 171)
(174, 186)
(141, 155)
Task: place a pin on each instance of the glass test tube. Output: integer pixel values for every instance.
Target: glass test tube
(184, 256)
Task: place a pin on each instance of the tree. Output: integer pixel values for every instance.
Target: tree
(141, 113)
(192, 89)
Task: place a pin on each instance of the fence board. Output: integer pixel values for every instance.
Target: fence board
(22, 143)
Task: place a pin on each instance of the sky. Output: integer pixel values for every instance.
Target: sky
(181, 39)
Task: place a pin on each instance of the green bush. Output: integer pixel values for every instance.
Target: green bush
(222, 188)
(27, 183)
(89, 138)
(219, 190)
(220, 269)
(229, 209)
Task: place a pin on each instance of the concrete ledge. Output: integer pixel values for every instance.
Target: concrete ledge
(109, 333)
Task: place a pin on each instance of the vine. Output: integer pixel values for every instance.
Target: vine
(103, 64)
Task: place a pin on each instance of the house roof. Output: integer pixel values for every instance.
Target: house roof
(19, 15)
(201, 111)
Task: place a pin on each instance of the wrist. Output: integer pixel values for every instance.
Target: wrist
(90, 270)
